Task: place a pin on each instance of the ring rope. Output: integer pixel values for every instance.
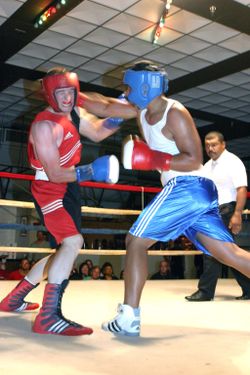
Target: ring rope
(84, 209)
(92, 210)
(91, 184)
(30, 227)
(12, 249)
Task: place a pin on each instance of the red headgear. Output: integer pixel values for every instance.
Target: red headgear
(51, 83)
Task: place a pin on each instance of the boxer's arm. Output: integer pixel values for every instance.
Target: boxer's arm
(97, 129)
(46, 137)
(103, 106)
(181, 128)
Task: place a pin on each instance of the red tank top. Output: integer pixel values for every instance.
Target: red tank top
(70, 148)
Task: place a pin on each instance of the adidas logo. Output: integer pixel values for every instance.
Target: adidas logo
(68, 136)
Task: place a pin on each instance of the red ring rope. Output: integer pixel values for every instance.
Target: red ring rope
(98, 185)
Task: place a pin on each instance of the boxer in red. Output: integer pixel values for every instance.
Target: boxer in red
(54, 151)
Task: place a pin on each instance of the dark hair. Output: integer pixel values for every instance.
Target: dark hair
(81, 265)
(215, 134)
(87, 261)
(106, 264)
(146, 65)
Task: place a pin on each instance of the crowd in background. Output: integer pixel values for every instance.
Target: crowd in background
(169, 267)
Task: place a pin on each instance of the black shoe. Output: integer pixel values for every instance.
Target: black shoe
(243, 297)
(198, 297)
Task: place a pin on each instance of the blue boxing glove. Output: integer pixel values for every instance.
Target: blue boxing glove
(115, 122)
(112, 122)
(104, 169)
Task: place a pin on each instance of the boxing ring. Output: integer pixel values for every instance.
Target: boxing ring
(177, 337)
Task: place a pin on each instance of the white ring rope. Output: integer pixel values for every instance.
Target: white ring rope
(12, 249)
(84, 209)
(92, 210)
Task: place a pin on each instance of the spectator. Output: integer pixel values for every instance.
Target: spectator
(164, 271)
(40, 242)
(74, 274)
(107, 272)
(95, 273)
(84, 271)
(3, 272)
(22, 271)
(176, 261)
(89, 263)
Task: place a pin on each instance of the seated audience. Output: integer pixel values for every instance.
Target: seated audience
(95, 273)
(176, 262)
(22, 271)
(107, 272)
(89, 263)
(74, 274)
(164, 271)
(3, 272)
(84, 271)
(41, 240)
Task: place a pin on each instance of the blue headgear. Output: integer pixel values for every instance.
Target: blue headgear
(145, 85)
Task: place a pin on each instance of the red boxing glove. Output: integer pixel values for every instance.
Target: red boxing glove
(138, 155)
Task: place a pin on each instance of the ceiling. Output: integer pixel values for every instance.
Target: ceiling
(206, 55)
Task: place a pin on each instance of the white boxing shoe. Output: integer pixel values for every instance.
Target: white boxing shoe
(126, 323)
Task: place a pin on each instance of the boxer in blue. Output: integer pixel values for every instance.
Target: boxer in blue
(188, 202)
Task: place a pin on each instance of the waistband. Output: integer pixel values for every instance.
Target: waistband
(229, 204)
(166, 176)
(41, 175)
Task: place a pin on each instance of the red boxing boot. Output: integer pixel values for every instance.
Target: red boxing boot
(14, 301)
(50, 319)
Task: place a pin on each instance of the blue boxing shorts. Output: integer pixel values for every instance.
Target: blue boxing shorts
(187, 205)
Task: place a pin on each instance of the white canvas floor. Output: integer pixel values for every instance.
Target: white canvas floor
(178, 337)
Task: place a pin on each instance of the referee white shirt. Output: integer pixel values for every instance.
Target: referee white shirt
(228, 173)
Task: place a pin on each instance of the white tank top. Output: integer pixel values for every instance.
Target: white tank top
(157, 141)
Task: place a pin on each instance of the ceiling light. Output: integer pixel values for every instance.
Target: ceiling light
(49, 12)
(162, 21)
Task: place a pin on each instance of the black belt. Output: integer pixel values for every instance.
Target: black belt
(226, 208)
(230, 204)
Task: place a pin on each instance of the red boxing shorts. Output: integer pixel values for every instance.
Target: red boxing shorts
(59, 207)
